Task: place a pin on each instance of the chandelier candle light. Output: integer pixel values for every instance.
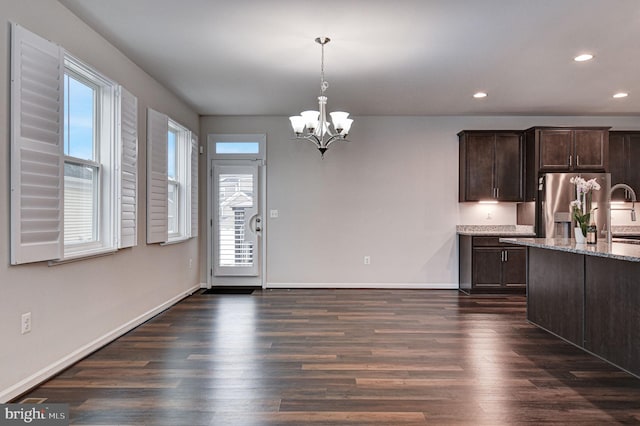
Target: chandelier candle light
(313, 125)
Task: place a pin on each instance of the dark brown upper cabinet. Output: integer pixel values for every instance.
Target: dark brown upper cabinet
(491, 165)
(624, 160)
(564, 149)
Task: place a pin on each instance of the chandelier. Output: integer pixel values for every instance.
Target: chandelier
(313, 125)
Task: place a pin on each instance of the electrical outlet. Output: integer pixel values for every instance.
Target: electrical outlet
(26, 323)
(273, 213)
(367, 260)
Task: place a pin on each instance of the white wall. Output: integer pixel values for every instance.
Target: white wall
(391, 194)
(75, 305)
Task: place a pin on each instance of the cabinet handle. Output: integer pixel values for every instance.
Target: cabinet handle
(497, 192)
(570, 162)
(506, 256)
(502, 256)
(577, 160)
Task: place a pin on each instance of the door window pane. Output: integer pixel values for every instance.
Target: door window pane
(237, 147)
(235, 198)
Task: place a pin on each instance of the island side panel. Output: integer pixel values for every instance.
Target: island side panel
(555, 293)
(612, 320)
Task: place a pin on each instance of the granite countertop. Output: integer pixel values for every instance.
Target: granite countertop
(497, 230)
(617, 250)
(621, 231)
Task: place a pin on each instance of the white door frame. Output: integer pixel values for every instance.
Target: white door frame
(260, 157)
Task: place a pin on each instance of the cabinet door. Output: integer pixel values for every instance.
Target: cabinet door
(487, 267)
(480, 151)
(633, 162)
(591, 150)
(555, 149)
(514, 269)
(618, 160)
(508, 167)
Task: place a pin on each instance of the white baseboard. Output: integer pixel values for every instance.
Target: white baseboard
(204, 285)
(404, 286)
(75, 356)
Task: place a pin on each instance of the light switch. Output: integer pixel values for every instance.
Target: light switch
(273, 214)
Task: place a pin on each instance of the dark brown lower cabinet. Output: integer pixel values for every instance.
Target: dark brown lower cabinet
(489, 266)
(612, 307)
(592, 302)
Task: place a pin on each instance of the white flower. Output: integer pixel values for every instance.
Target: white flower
(576, 204)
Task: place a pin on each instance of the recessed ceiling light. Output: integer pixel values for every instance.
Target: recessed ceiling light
(583, 57)
(480, 95)
(621, 95)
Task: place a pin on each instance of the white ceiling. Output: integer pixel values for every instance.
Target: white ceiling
(402, 57)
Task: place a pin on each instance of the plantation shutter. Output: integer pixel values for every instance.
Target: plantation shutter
(157, 190)
(37, 164)
(128, 169)
(194, 185)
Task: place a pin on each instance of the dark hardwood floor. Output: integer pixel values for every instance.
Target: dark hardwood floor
(343, 357)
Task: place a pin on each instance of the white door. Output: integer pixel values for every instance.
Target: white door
(237, 223)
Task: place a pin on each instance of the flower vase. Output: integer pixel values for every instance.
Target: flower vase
(580, 238)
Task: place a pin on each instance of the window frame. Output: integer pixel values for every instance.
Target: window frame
(106, 149)
(181, 182)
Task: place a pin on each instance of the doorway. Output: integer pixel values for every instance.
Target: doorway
(236, 189)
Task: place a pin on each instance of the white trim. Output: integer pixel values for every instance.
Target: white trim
(176, 240)
(403, 286)
(80, 353)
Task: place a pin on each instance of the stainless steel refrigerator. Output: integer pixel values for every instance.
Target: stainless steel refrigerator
(553, 211)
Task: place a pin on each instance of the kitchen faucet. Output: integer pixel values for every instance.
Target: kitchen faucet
(633, 205)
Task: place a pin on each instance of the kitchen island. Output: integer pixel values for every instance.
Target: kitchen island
(589, 295)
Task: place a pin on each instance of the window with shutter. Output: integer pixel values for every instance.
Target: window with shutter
(171, 176)
(71, 194)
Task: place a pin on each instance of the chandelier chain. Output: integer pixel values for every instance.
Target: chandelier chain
(324, 84)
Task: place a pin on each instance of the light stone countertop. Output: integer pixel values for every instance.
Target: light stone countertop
(621, 231)
(496, 230)
(617, 250)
